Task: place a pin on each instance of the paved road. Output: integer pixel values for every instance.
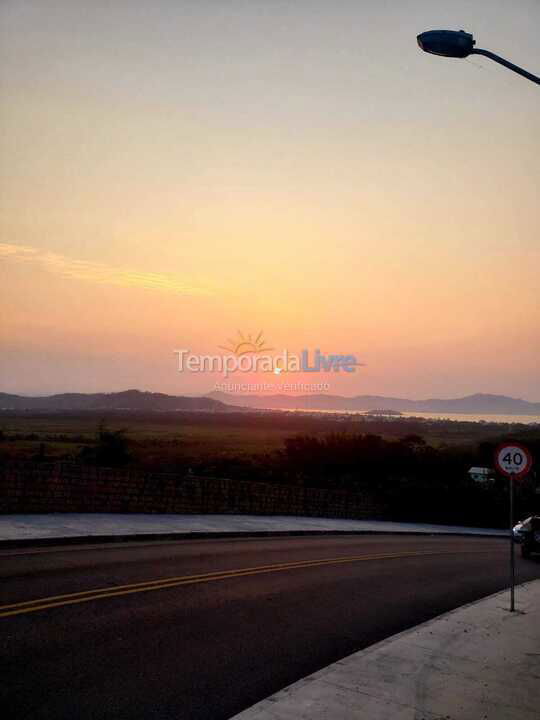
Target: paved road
(204, 629)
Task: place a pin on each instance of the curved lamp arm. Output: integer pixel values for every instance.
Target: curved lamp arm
(507, 64)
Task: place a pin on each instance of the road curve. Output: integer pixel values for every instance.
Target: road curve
(203, 629)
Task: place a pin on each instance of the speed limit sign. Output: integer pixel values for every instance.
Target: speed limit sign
(513, 459)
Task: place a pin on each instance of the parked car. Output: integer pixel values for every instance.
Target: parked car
(520, 529)
(530, 534)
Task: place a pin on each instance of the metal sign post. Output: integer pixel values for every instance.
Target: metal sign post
(514, 461)
(512, 545)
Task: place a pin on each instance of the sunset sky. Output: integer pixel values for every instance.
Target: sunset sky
(173, 172)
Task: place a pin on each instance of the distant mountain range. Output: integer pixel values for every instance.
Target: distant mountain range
(223, 402)
(128, 400)
(471, 404)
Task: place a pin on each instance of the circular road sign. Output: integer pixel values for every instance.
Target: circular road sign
(513, 459)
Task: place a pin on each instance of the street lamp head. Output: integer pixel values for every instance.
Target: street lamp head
(449, 43)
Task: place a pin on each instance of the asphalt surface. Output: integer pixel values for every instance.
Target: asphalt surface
(204, 629)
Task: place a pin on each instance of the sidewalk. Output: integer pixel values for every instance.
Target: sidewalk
(15, 528)
(479, 662)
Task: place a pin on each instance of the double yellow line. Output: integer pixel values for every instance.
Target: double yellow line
(30, 606)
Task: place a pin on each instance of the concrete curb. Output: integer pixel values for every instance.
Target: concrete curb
(219, 535)
(475, 661)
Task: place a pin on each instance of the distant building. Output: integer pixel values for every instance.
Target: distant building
(481, 474)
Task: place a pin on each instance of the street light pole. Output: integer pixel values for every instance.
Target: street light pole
(460, 44)
(507, 64)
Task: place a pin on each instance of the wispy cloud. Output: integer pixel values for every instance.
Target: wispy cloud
(101, 273)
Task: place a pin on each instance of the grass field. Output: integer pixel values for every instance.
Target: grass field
(190, 436)
(149, 437)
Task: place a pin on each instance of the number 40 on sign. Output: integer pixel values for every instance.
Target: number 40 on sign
(513, 459)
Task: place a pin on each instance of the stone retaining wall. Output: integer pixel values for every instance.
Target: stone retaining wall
(63, 487)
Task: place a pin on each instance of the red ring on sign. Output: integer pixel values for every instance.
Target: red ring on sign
(526, 452)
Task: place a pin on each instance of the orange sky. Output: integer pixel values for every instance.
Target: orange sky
(175, 172)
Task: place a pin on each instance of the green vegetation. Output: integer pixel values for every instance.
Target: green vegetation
(417, 467)
(110, 448)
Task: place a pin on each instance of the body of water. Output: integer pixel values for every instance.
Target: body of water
(460, 417)
(466, 417)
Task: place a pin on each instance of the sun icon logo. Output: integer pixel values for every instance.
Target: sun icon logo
(245, 344)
